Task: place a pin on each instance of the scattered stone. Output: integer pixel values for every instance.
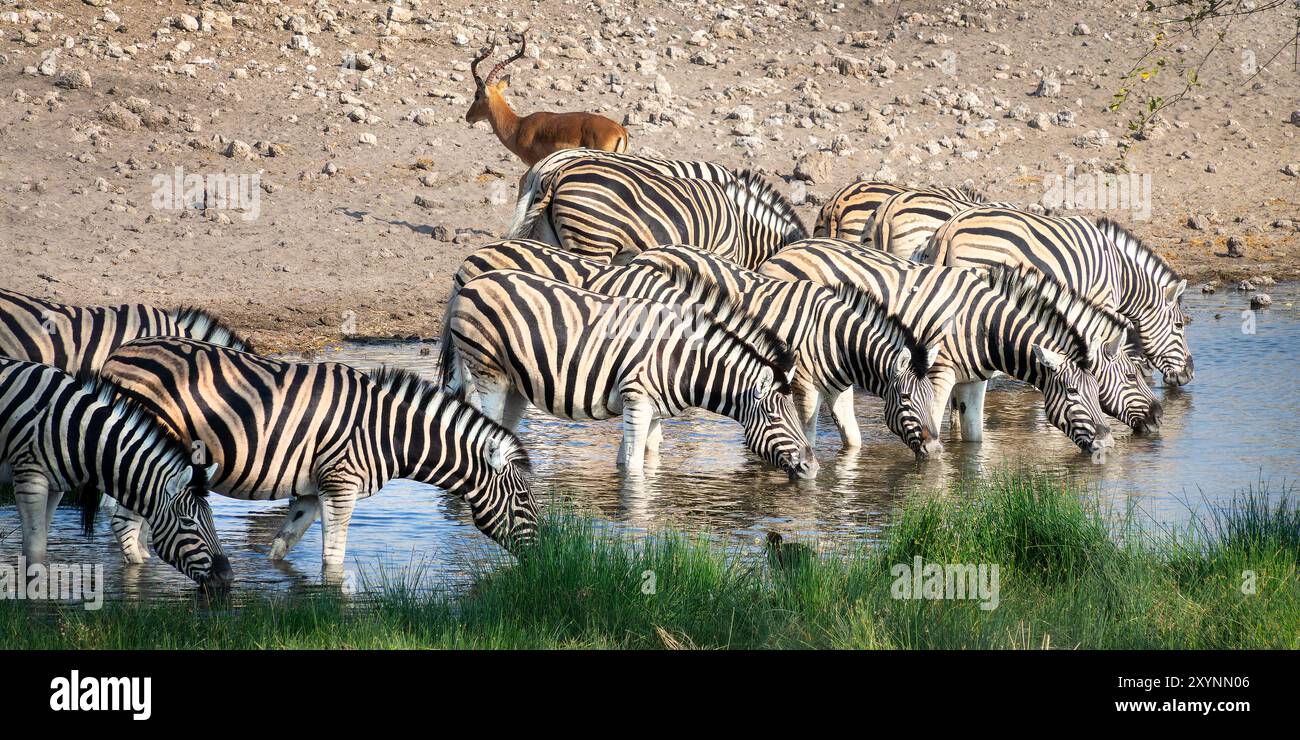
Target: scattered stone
(1292, 169)
(1081, 29)
(814, 168)
(1260, 300)
(1048, 87)
(1196, 222)
(1295, 117)
(186, 22)
(120, 117)
(238, 150)
(1236, 246)
(76, 79)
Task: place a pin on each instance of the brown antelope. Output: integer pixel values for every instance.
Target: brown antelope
(538, 134)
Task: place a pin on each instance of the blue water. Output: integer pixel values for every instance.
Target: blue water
(1236, 424)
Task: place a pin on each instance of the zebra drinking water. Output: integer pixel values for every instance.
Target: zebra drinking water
(607, 205)
(515, 338)
(59, 433)
(1102, 261)
(1024, 326)
(327, 435)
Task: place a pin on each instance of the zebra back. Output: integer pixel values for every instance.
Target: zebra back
(849, 213)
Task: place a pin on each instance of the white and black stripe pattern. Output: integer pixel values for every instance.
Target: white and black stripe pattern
(516, 338)
(839, 341)
(1072, 249)
(850, 213)
(79, 339)
(327, 435)
(610, 205)
(837, 344)
(1055, 341)
(59, 433)
(904, 224)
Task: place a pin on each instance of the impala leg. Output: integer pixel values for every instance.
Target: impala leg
(129, 531)
(968, 403)
(336, 506)
(845, 420)
(303, 510)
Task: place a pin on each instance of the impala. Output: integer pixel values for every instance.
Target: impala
(536, 135)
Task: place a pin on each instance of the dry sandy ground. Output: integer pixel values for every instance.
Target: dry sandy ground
(371, 187)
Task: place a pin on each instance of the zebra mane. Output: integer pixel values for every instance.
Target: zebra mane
(208, 327)
(750, 188)
(412, 389)
(135, 416)
(748, 330)
(1136, 250)
(866, 304)
(1049, 298)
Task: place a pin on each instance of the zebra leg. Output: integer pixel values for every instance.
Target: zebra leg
(129, 530)
(846, 420)
(303, 510)
(806, 402)
(51, 504)
(654, 438)
(32, 492)
(968, 402)
(513, 409)
(637, 415)
(336, 514)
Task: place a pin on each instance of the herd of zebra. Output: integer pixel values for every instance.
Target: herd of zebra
(629, 286)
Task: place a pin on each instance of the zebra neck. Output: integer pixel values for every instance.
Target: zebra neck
(710, 374)
(418, 453)
(1010, 336)
(854, 351)
(1138, 290)
(125, 464)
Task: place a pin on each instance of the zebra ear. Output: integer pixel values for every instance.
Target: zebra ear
(496, 456)
(1172, 292)
(935, 342)
(765, 379)
(1051, 360)
(180, 481)
(1116, 343)
(211, 471)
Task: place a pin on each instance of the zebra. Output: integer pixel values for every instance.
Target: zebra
(841, 338)
(1041, 333)
(60, 432)
(837, 343)
(904, 223)
(79, 339)
(327, 435)
(1102, 261)
(515, 338)
(854, 212)
(612, 206)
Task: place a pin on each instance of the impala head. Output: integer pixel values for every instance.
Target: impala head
(1070, 400)
(183, 532)
(1123, 390)
(484, 87)
(772, 427)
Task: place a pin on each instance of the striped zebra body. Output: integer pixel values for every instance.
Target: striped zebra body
(59, 432)
(517, 338)
(610, 205)
(905, 223)
(79, 339)
(1042, 335)
(840, 339)
(1129, 279)
(327, 435)
(850, 213)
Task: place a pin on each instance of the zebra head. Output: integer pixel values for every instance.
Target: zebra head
(1161, 323)
(1070, 399)
(772, 428)
(502, 503)
(1162, 332)
(183, 532)
(909, 398)
(1122, 389)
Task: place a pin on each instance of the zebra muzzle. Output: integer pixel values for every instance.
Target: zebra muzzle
(222, 575)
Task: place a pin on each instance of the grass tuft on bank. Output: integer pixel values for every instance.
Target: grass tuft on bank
(1069, 576)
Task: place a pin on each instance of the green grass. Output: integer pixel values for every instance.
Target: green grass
(1070, 576)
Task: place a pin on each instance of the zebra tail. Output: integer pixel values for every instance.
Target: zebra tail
(88, 502)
